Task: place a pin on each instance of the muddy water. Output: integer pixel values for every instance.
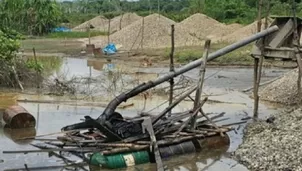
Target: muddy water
(222, 86)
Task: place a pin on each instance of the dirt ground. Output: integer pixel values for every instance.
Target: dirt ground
(159, 57)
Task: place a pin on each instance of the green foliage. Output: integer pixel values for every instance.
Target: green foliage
(75, 34)
(9, 44)
(46, 64)
(30, 16)
(187, 55)
(32, 64)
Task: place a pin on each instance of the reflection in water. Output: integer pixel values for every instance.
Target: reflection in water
(17, 134)
(7, 99)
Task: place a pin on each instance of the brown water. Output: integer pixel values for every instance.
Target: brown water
(222, 86)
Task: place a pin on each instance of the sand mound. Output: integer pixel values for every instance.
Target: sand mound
(200, 25)
(121, 21)
(283, 90)
(96, 22)
(156, 34)
(243, 32)
(223, 30)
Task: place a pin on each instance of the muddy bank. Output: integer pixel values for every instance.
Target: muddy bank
(273, 146)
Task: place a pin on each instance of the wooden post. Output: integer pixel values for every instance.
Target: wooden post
(121, 21)
(143, 28)
(296, 43)
(257, 69)
(109, 30)
(37, 72)
(171, 66)
(200, 82)
(89, 35)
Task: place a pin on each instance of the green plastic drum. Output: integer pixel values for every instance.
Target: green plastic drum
(120, 160)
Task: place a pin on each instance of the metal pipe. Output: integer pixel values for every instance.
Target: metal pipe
(145, 86)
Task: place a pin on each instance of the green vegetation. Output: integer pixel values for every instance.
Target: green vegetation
(47, 64)
(227, 11)
(13, 70)
(238, 57)
(75, 34)
(33, 17)
(39, 17)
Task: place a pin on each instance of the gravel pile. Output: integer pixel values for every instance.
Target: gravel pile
(200, 25)
(243, 32)
(97, 22)
(283, 90)
(121, 21)
(223, 30)
(276, 146)
(156, 34)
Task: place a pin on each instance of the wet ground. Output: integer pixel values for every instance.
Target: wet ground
(223, 86)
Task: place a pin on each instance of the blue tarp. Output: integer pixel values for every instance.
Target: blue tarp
(110, 49)
(61, 29)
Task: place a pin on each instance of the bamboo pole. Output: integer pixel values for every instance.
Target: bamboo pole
(258, 68)
(171, 67)
(201, 81)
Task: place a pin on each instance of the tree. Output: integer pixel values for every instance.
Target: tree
(31, 16)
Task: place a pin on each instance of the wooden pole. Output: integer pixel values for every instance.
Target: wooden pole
(170, 107)
(37, 72)
(193, 115)
(296, 43)
(171, 67)
(109, 31)
(89, 35)
(143, 28)
(201, 81)
(257, 75)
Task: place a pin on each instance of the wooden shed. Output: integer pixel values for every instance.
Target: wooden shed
(280, 45)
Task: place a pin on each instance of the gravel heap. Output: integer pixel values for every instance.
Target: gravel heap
(121, 21)
(218, 32)
(96, 22)
(271, 147)
(157, 34)
(283, 90)
(243, 32)
(200, 25)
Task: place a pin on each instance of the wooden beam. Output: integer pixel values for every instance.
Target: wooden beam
(202, 72)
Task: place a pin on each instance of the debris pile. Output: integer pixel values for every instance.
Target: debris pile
(283, 90)
(273, 146)
(97, 23)
(142, 139)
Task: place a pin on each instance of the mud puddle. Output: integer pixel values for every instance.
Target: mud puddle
(222, 86)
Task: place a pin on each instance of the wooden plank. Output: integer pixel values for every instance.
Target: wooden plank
(201, 81)
(147, 124)
(283, 33)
